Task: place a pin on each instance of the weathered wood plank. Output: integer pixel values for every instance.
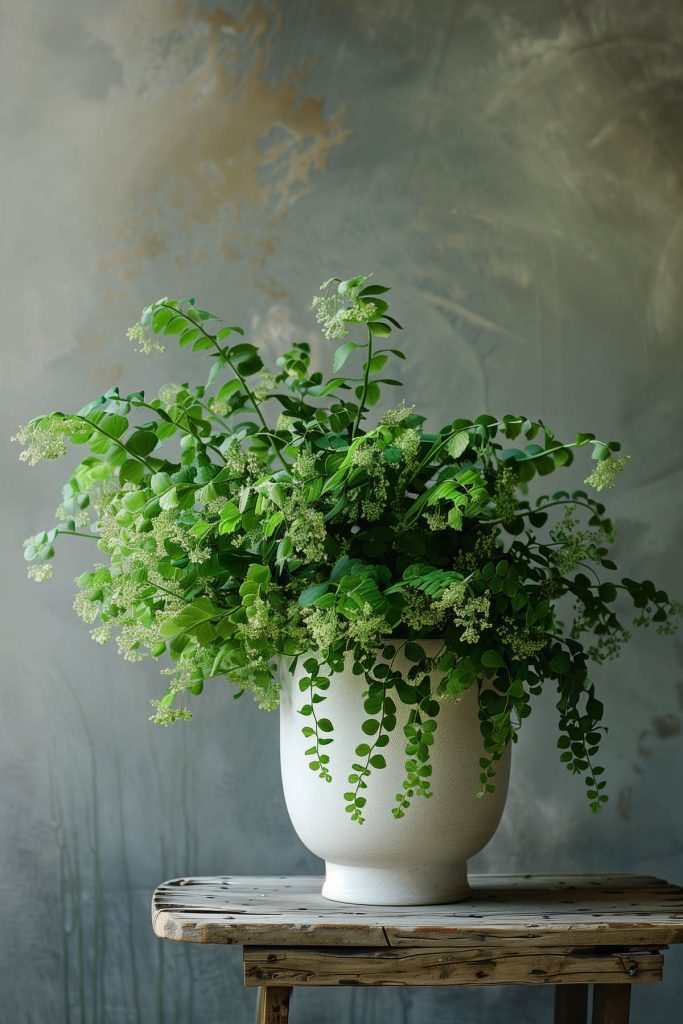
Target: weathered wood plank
(514, 910)
(445, 967)
(571, 1004)
(658, 931)
(250, 933)
(273, 1005)
(611, 1004)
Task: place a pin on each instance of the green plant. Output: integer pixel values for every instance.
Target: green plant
(228, 539)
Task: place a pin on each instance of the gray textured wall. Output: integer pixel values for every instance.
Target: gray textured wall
(514, 168)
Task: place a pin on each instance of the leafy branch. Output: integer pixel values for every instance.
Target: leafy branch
(228, 547)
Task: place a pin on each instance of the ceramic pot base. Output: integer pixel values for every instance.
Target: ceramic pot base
(395, 887)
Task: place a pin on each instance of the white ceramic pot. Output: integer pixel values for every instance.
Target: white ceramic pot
(416, 860)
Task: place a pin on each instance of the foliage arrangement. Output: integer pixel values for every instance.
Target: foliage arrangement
(231, 536)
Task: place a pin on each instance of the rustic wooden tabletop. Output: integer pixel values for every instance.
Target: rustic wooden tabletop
(565, 930)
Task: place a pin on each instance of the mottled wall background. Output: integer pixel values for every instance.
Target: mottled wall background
(514, 168)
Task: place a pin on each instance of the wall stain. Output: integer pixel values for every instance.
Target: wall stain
(625, 803)
(666, 726)
(106, 376)
(663, 727)
(228, 137)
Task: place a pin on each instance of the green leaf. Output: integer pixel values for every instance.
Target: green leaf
(161, 318)
(512, 426)
(392, 454)
(353, 282)
(458, 443)
(142, 442)
(131, 472)
(377, 363)
(374, 289)
(414, 652)
(378, 761)
(455, 519)
(380, 330)
(272, 524)
(250, 365)
(166, 430)
(560, 663)
(175, 325)
(230, 518)
(511, 453)
(190, 618)
(114, 425)
(189, 335)
(259, 574)
(169, 499)
(373, 393)
(381, 307)
(336, 508)
(319, 391)
(160, 482)
(312, 593)
(600, 452)
(135, 500)
(203, 344)
(284, 550)
(228, 390)
(343, 353)
(492, 659)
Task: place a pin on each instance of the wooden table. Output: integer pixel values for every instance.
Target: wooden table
(570, 931)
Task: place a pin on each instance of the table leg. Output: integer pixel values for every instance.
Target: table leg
(273, 1005)
(571, 1004)
(611, 1004)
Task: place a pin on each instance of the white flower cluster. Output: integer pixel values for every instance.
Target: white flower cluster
(307, 532)
(146, 343)
(169, 392)
(40, 572)
(468, 611)
(605, 472)
(334, 319)
(394, 417)
(43, 439)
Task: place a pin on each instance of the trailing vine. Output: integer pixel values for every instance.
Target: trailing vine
(379, 728)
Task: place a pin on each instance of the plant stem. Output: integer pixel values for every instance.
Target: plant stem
(120, 444)
(139, 404)
(365, 769)
(180, 597)
(214, 415)
(323, 771)
(364, 391)
(225, 354)
(541, 508)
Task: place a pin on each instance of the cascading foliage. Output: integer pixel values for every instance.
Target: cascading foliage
(258, 515)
